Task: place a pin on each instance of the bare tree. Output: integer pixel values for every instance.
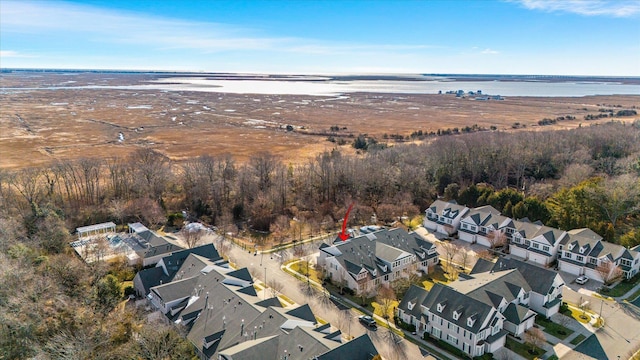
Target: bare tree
(275, 287)
(497, 238)
(609, 272)
(450, 252)
(386, 297)
(485, 254)
(467, 256)
(534, 337)
(192, 235)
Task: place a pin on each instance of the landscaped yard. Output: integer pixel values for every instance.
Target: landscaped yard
(577, 314)
(553, 329)
(523, 349)
(301, 268)
(435, 276)
(377, 309)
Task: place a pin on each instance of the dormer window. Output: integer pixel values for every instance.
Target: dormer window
(456, 315)
(571, 246)
(410, 305)
(582, 249)
(441, 306)
(470, 321)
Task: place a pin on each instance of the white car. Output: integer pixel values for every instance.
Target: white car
(582, 280)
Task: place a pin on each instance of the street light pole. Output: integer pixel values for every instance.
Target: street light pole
(264, 297)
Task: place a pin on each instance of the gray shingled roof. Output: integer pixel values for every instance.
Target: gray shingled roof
(443, 294)
(369, 250)
(539, 279)
(485, 286)
(360, 348)
(414, 295)
(517, 314)
(151, 277)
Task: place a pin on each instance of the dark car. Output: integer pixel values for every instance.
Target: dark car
(368, 321)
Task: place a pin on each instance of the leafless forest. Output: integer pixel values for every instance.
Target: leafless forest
(50, 302)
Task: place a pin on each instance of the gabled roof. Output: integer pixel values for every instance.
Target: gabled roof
(270, 302)
(151, 277)
(539, 279)
(176, 289)
(449, 210)
(174, 261)
(372, 250)
(303, 312)
(517, 314)
(443, 294)
(416, 296)
(360, 348)
(482, 265)
(485, 286)
(242, 274)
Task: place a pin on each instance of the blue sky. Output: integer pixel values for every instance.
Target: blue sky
(566, 37)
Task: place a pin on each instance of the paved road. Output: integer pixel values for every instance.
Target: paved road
(620, 335)
(345, 320)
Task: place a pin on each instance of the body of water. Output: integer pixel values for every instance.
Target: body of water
(338, 87)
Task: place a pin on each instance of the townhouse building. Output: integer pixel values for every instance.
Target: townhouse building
(365, 262)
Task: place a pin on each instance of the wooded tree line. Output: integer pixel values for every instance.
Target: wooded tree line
(573, 178)
(52, 303)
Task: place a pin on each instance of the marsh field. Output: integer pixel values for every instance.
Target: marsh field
(46, 117)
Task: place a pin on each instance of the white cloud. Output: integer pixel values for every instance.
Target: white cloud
(489, 51)
(614, 8)
(100, 25)
(13, 54)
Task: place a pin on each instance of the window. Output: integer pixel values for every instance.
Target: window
(545, 248)
(527, 243)
(464, 226)
(567, 255)
(536, 245)
(593, 261)
(580, 258)
(436, 333)
(452, 339)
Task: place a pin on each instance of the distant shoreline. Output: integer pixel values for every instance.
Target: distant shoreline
(635, 80)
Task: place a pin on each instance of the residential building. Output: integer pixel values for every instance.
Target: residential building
(536, 242)
(151, 246)
(546, 285)
(486, 226)
(475, 312)
(367, 261)
(444, 217)
(583, 252)
(473, 326)
(224, 318)
(168, 267)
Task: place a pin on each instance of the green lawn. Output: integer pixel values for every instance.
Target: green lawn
(634, 296)
(522, 349)
(553, 329)
(578, 339)
(622, 288)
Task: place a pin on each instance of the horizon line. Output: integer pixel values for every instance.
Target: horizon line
(205, 72)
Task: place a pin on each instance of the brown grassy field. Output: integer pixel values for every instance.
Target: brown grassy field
(42, 126)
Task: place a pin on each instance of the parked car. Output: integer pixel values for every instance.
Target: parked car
(582, 280)
(368, 321)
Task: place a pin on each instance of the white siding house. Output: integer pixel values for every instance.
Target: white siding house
(444, 217)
